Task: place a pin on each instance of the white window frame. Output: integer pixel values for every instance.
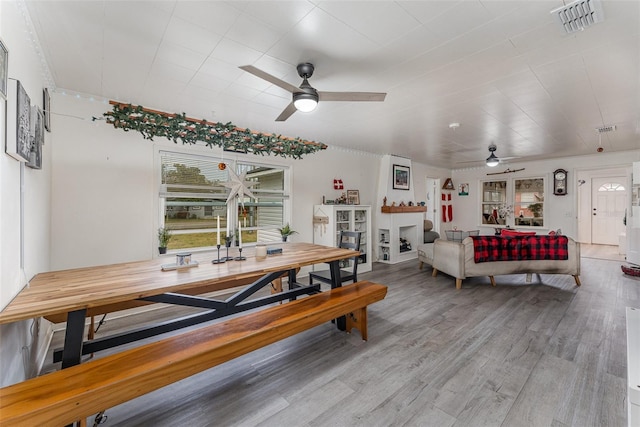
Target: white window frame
(510, 194)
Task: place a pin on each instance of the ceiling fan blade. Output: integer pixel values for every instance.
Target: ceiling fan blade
(286, 113)
(271, 79)
(351, 96)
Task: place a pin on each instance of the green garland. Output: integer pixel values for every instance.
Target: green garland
(179, 127)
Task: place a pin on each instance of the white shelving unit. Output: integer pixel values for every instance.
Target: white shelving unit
(344, 218)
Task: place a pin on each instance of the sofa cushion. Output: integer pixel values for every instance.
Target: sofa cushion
(430, 236)
(505, 232)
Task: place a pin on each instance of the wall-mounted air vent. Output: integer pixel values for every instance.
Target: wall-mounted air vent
(605, 129)
(578, 15)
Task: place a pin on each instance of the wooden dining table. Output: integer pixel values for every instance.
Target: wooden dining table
(72, 295)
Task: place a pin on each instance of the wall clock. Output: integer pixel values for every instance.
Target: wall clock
(560, 182)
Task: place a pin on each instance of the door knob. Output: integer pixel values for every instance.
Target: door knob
(594, 214)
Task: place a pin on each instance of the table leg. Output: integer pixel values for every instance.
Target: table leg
(73, 338)
(336, 282)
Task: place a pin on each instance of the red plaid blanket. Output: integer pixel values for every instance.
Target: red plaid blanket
(515, 248)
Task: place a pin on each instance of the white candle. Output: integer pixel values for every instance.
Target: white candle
(218, 235)
(240, 235)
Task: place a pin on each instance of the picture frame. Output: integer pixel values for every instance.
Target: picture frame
(353, 197)
(18, 140)
(463, 189)
(46, 109)
(37, 138)
(4, 70)
(401, 175)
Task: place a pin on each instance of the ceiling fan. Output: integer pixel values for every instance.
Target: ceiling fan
(492, 160)
(306, 97)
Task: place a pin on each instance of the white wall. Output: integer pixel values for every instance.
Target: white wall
(560, 211)
(21, 340)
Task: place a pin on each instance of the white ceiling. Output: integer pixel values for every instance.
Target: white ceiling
(504, 70)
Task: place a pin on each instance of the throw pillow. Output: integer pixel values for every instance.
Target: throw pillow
(506, 232)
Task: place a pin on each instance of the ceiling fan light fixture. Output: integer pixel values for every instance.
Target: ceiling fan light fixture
(492, 160)
(305, 102)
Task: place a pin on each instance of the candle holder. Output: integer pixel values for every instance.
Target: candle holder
(227, 243)
(219, 260)
(240, 257)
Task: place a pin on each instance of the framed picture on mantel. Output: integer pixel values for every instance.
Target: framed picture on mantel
(401, 177)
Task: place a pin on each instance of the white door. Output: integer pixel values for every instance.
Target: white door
(608, 201)
(433, 202)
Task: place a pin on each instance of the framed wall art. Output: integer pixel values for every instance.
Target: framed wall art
(401, 177)
(18, 142)
(4, 69)
(46, 109)
(353, 197)
(37, 138)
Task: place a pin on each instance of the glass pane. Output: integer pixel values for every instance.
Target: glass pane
(529, 202)
(494, 195)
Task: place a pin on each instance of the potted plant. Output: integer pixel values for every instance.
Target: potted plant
(536, 209)
(286, 231)
(164, 235)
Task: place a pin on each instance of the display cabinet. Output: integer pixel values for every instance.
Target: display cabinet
(329, 220)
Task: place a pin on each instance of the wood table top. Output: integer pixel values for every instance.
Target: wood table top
(63, 291)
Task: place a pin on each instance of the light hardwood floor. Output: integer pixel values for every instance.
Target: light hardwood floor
(544, 353)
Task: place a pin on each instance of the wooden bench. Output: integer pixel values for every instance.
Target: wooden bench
(75, 393)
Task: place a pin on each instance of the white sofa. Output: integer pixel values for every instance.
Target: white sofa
(457, 260)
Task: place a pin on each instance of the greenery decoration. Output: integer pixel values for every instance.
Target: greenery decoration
(286, 231)
(179, 127)
(164, 235)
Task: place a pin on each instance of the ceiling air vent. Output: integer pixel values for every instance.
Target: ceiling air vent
(605, 129)
(578, 15)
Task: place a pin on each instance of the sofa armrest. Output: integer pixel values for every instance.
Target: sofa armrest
(448, 257)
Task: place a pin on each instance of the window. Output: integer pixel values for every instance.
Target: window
(494, 196)
(192, 197)
(513, 202)
(612, 186)
(528, 205)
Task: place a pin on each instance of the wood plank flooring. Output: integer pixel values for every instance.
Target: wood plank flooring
(544, 353)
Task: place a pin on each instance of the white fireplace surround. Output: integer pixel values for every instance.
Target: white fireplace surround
(393, 226)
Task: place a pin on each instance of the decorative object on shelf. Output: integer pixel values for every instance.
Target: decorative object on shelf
(183, 259)
(164, 236)
(338, 184)
(463, 189)
(506, 171)
(505, 211)
(4, 70)
(448, 185)
(384, 201)
(179, 127)
(239, 186)
(286, 231)
(560, 182)
(353, 197)
(401, 175)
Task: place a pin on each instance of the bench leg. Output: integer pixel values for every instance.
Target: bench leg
(421, 264)
(493, 281)
(577, 279)
(434, 273)
(358, 320)
(458, 283)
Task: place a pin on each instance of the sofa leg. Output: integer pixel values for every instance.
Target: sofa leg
(529, 276)
(577, 280)
(493, 281)
(421, 264)
(458, 283)
(434, 273)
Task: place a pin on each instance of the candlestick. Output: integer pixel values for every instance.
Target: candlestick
(240, 257)
(218, 236)
(219, 260)
(227, 243)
